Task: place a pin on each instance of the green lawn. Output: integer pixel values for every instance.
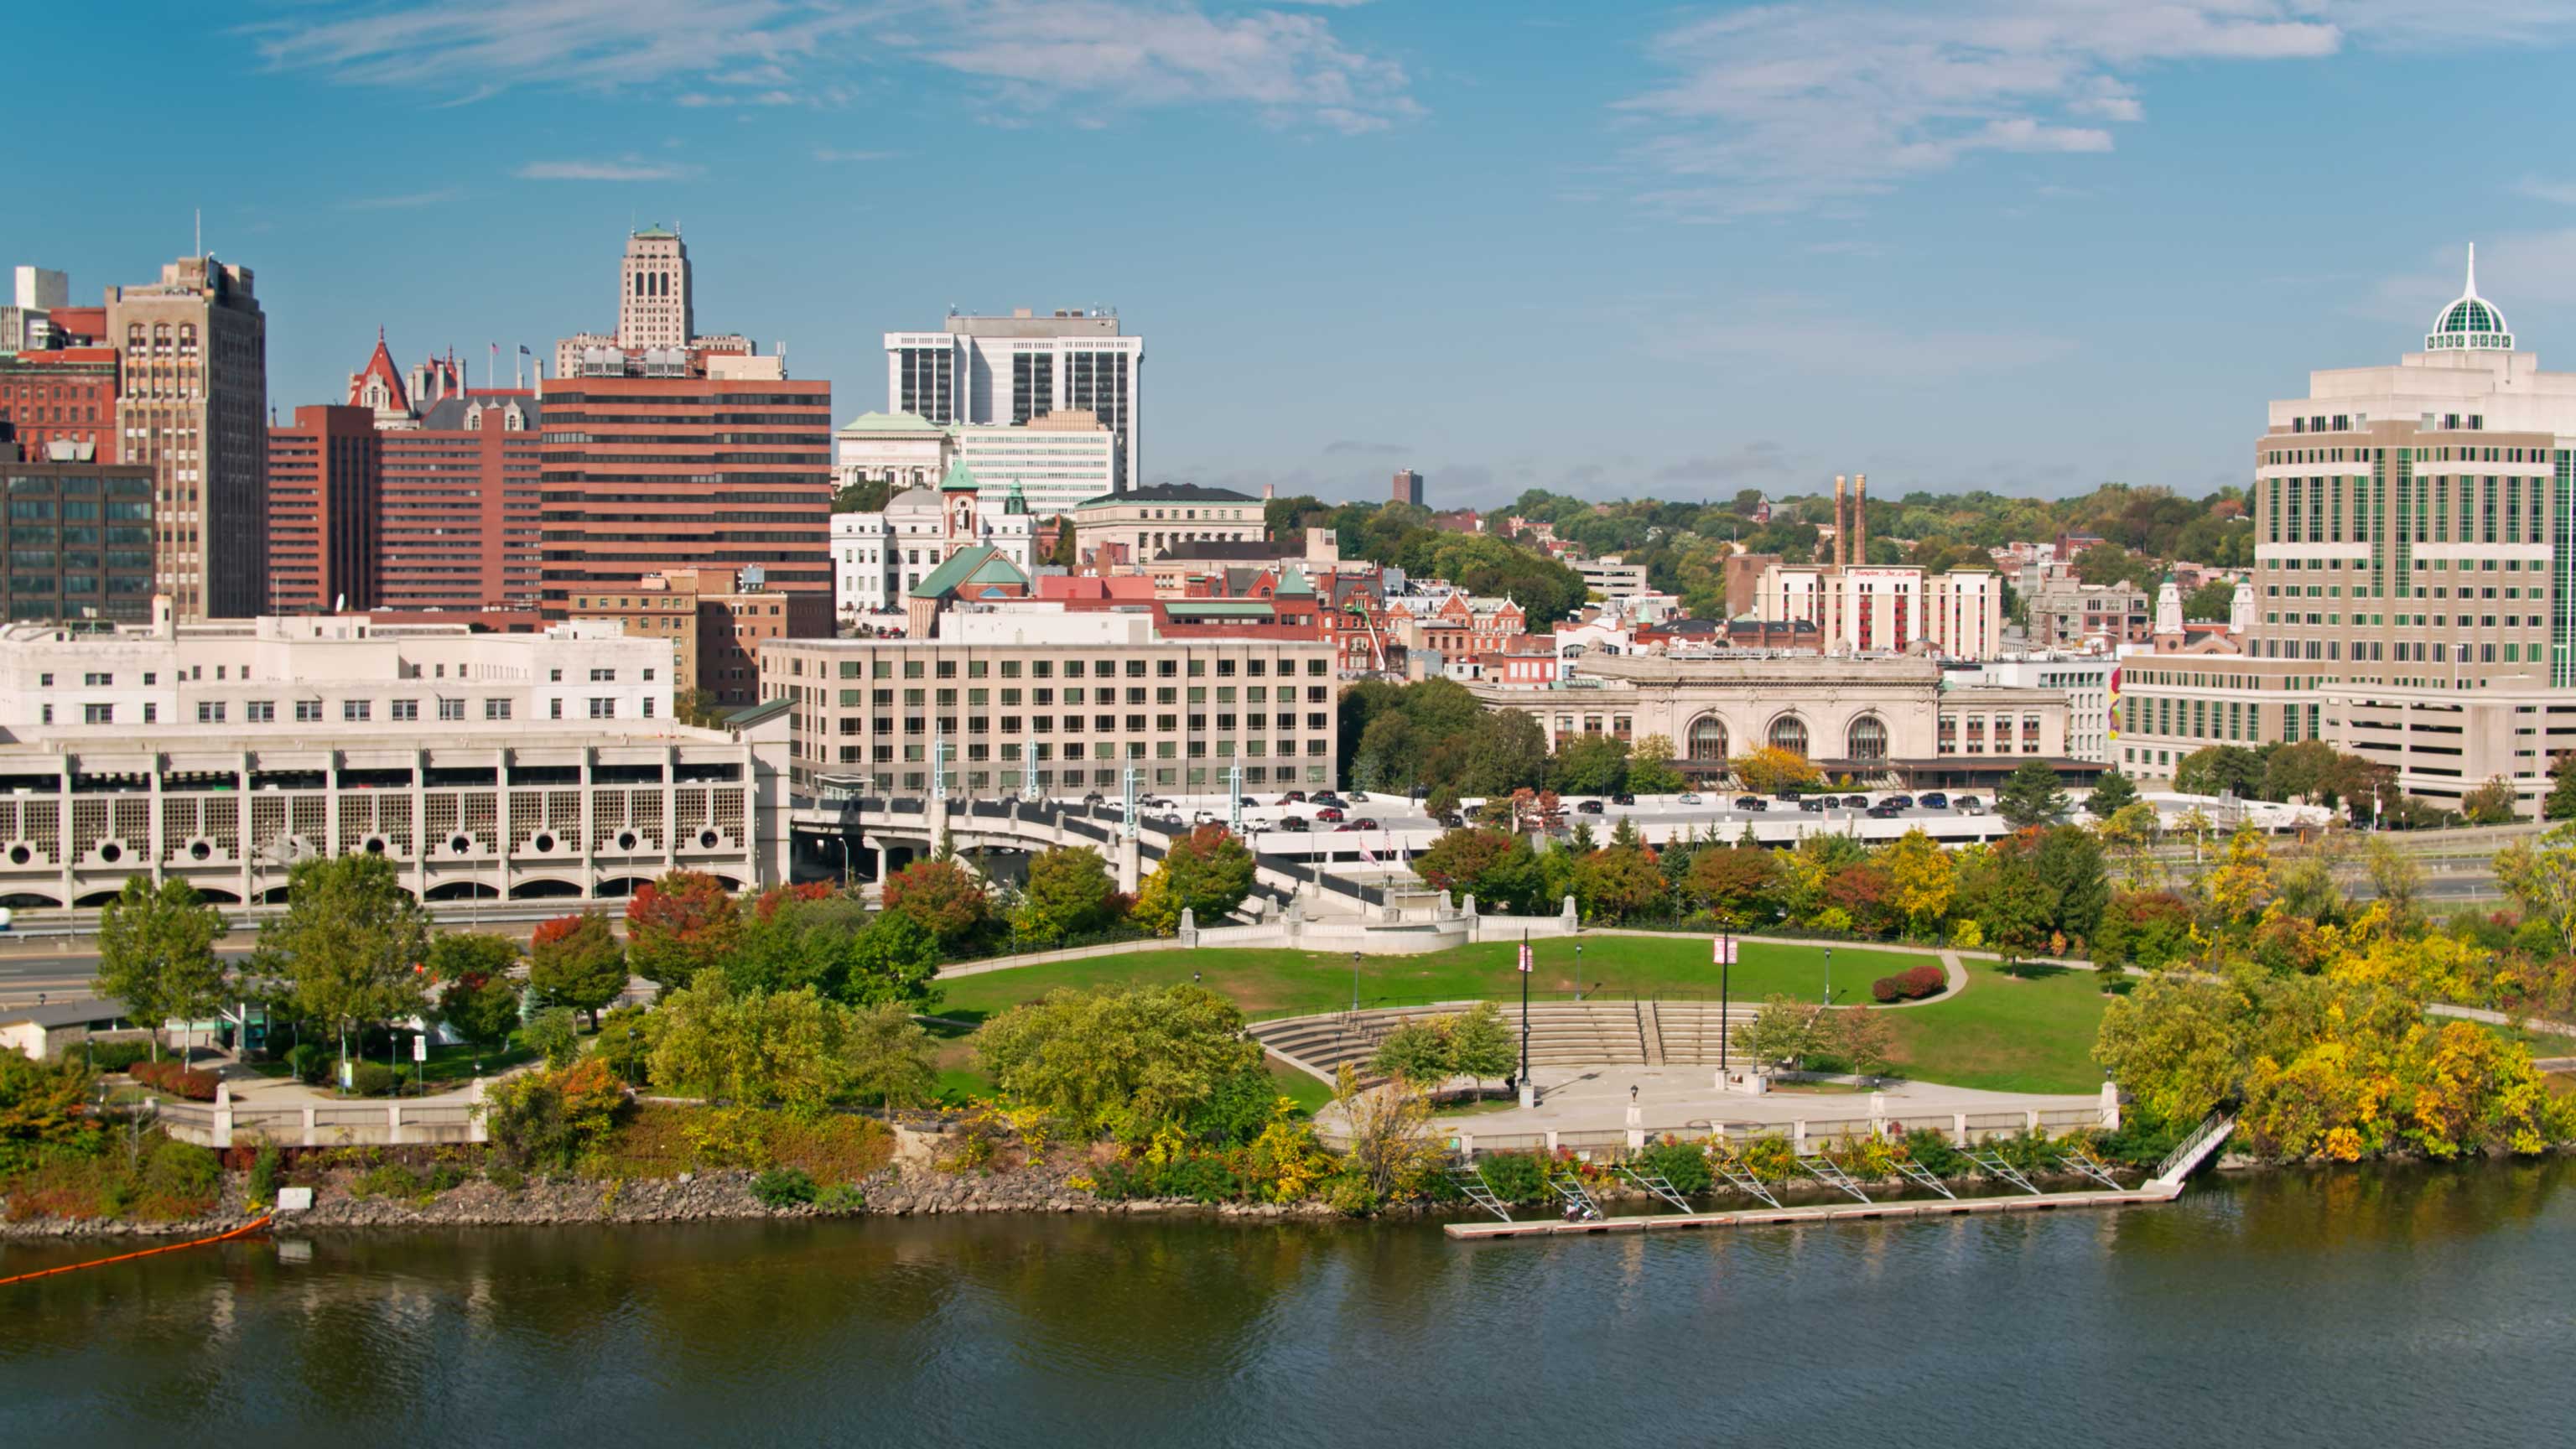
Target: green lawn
(1288, 983)
(2029, 1033)
(1309, 1094)
(2542, 1044)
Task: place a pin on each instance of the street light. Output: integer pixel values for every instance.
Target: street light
(1829, 976)
(1355, 981)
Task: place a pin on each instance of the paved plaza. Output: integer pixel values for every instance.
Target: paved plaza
(1679, 1099)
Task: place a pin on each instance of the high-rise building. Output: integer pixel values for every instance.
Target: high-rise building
(653, 292)
(1019, 368)
(192, 404)
(462, 518)
(325, 506)
(2414, 583)
(646, 475)
(1408, 487)
(80, 540)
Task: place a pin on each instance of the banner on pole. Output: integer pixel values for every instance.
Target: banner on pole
(1525, 957)
(1722, 951)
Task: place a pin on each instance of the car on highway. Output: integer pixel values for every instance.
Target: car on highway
(1154, 802)
(1852, 802)
(1206, 817)
(1885, 810)
(1356, 797)
(1324, 797)
(1365, 823)
(1623, 798)
(1815, 804)
(1587, 807)
(1293, 797)
(1689, 800)
(1751, 802)
(1935, 800)
(1329, 813)
(1970, 804)
(1094, 798)
(1901, 802)
(1292, 822)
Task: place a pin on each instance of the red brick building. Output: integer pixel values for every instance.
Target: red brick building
(462, 513)
(646, 475)
(65, 394)
(325, 482)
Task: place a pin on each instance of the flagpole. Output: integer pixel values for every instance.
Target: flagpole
(1525, 976)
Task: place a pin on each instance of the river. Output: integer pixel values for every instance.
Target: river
(2345, 1308)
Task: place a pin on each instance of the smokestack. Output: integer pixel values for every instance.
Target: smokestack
(1860, 519)
(1842, 524)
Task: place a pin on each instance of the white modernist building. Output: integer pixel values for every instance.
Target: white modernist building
(877, 558)
(1015, 370)
(514, 766)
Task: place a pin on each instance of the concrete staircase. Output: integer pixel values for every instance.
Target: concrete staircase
(1561, 1033)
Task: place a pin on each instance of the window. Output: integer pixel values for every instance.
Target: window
(308, 711)
(554, 707)
(260, 711)
(603, 708)
(1789, 732)
(406, 710)
(603, 676)
(98, 714)
(496, 709)
(553, 676)
(356, 709)
(210, 711)
(98, 681)
(451, 709)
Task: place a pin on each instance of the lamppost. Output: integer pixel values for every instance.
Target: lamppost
(1355, 981)
(1829, 976)
(1578, 970)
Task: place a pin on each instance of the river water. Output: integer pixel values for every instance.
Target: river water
(2347, 1308)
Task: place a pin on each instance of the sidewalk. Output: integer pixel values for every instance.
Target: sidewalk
(1675, 1099)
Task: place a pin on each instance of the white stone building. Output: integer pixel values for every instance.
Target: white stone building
(877, 558)
(2085, 679)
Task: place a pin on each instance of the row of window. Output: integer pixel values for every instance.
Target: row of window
(1046, 668)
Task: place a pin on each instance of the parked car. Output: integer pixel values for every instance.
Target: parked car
(1451, 820)
(1363, 823)
(1329, 812)
(1689, 800)
(1623, 798)
(1356, 797)
(1853, 802)
(1292, 822)
(1094, 798)
(1885, 810)
(1971, 805)
(1900, 802)
(1815, 804)
(1587, 807)
(1935, 800)
(1751, 802)
(1293, 797)
(1324, 797)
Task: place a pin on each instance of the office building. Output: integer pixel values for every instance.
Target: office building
(1028, 697)
(461, 519)
(2414, 583)
(2066, 614)
(1138, 525)
(1612, 577)
(63, 395)
(2084, 679)
(647, 475)
(1055, 462)
(715, 622)
(1015, 370)
(80, 540)
(1408, 487)
(325, 511)
(1887, 609)
(192, 404)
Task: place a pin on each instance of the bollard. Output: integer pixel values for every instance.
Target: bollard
(1958, 1129)
(312, 1135)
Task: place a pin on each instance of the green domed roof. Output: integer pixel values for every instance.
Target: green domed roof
(2472, 322)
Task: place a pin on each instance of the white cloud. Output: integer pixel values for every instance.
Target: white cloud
(1030, 55)
(627, 169)
(1785, 107)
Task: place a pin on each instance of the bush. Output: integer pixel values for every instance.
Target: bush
(176, 1080)
(112, 1056)
(179, 1180)
(310, 1061)
(1682, 1164)
(1515, 1177)
(505, 1177)
(783, 1187)
(390, 1179)
(1912, 984)
(1200, 1179)
(1352, 1197)
(554, 1034)
(263, 1173)
(373, 1079)
(1929, 1148)
(842, 1197)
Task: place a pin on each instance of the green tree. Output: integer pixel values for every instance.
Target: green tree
(892, 961)
(1615, 884)
(945, 897)
(1206, 872)
(351, 947)
(2031, 796)
(2017, 912)
(1417, 1052)
(1505, 750)
(1070, 892)
(2540, 877)
(43, 1102)
(476, 994)
(576, 961)
(888, 1057)
(1589, 765)
(553, 1034)
(1481, 1044)
(2561, 804)
(2493, 803)
(156, 953)
(1651, 770)
(2221, 770)
(1497, 867)
(1120, 1058)
(1067, 551)
(2212, 603)
(2069, 863)
(769, 1048)
(862, 495)
(2113, 793)
(1784, 1032)
(679, 925)
(697, 708)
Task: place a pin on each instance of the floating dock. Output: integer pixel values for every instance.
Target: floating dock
(2148, 1194)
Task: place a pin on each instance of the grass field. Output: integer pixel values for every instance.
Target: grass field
(2028, 1033)
(1288, 983)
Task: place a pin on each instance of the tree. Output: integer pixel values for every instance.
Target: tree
(2144, 928)
(1070, 891)
(891, 961)
(2540, 877)
(2212, 603)
(2493, 803)
(942, 895)
(1392, 1148)
(2239, 885)
(888, 1057)
(1206, 872)
(2069, 862)
(1783, 1031)
(477, 996)
(2307, 770)
(2220, 770)
(1650, 768)
(351, 945)
(1863, 1038)
(2031, 796)
(2112, 793)
(1771, 769)
(1615, 884)
(1481, 1044)
(2561, 804)
(1589, 765)
(2017, 912)
(1919, 880)
(862, 495)
(757, 1049)
(697, 708)
(1505, 750)
(1497, 867)
(156, 953)
(1732, 882)
(41, 1101)
(2396, 878)
(575, 961)
(1120, 1058)
(1416, 1052)
(679, 925)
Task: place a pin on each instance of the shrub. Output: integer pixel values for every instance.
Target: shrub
(1515, 1177)
(505, 1177)
(1351, 1197)
(783, 1187)
(263, 1173)
(1683, 1164)
(1885, 988)
(373, 1079)
(553, 1034)
(842, 1197)
(310, 1062)
(176, 1080)
(1929, 1148)
(1201, 1179)
(179, 1180)
(112, 1056)
(1912, 984)
(390, 1179)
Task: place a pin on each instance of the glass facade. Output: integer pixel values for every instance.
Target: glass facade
(80, 542)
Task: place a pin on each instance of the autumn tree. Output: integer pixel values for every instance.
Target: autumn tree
(1732, 882)
(945, 897)
(1206, 872)
(2240, 884)
(1919, 881)
(156, 954)
(576, 961)
(1863, 1038)
(2540, 878)
(679, 925)
(2493, 803)
(1771, 769)
(1617, 883)
(1070, 891)
(2561, 802)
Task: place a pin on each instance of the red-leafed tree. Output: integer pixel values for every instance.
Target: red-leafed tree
(942, 895)
(680, 925)
(576, 961)
(766, 908)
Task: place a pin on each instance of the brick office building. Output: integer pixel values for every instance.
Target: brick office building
(325, 487)
(647, 475)
(461, 511)
(62, 395)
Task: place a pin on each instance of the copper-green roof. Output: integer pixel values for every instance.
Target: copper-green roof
(891, 423)
(1292, 580)
(978, 564)
(960, 479)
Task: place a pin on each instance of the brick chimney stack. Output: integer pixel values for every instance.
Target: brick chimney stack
(1842, 529)
(1860, 520)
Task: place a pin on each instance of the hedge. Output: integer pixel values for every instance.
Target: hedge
(1912, 984)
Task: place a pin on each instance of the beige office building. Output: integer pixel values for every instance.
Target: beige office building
(192, 404)
(1024, 699)
(2414, 577)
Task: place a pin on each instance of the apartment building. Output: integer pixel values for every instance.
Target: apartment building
(2084, 680)
(1612, 577)
(1027, 698)
(325, 511)
(716, 622)
(2066, 614)
(1139, 525)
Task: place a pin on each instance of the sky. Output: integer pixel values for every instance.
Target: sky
(1618, 251)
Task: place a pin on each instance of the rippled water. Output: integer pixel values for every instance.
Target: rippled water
(2348, 1309)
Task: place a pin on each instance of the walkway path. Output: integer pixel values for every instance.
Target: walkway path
(1686, 1099)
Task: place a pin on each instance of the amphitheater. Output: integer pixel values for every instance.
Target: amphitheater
(1561, 1033)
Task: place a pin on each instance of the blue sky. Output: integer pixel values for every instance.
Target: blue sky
(1620, 251)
